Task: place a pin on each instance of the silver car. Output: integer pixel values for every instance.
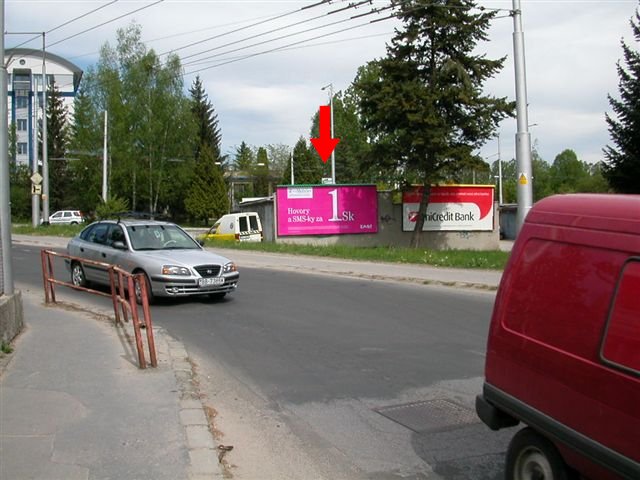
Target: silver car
(173, 263)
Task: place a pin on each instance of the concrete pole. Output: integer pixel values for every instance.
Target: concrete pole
(5, 198)
(523, 139)
(104, 161)
(45, 147)
(293, 181)
(500, 199)
(35, 199)
(333, 152)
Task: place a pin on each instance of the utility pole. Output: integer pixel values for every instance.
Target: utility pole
(523, 138)
(6, 281)
(45, 147)
(333, 152)
(293, 181)
(500, 202)
(35, 197)
(104, 161)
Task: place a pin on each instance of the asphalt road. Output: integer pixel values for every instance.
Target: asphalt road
(364, 379)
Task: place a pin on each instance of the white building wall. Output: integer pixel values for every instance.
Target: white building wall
(24, 68)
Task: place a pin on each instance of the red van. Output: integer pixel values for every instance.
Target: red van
(563, 354)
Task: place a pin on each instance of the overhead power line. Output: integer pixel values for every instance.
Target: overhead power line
(270, 19)
(285, 47)
(81, 16)
(105, 23)
(351, 5)
(371, 12)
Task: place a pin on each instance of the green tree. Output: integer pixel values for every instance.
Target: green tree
(307, 167)
(353, 147)
(423, 103)
(244, 159)
(20, 191)
(86, 140)
(261, 174)
(568, 173)
(151, 126)
(57, 145)
(541, 172)
(509, 180)
(208, 129)
(279, 158)
(622, 164)
(207, 197)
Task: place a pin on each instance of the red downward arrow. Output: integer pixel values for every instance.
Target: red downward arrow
(325, 144)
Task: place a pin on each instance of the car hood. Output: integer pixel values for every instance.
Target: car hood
(184, 257)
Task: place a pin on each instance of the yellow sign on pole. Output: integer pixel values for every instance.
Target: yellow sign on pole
(36, 189)
(523, 179)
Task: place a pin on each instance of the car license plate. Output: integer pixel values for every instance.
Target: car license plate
(206, 282)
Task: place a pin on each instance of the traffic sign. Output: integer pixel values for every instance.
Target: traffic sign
(36, 189)
(36, 178)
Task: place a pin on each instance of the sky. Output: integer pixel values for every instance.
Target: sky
(261, 97)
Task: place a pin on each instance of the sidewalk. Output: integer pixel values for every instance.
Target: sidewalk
(75, 405)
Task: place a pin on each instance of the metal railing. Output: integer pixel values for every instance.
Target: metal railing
(123, 295)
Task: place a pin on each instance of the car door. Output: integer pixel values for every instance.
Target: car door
(55, 218)
(93, 248)
(116, 256)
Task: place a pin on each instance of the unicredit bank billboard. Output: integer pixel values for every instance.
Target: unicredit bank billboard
(451, 208)
(327, 209)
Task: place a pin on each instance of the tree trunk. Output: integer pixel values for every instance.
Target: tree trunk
(422, 211)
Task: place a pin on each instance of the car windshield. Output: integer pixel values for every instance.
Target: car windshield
(160, 237)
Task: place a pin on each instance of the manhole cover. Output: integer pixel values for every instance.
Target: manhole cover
(436, 415)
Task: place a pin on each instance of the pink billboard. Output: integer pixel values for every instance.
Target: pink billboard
(327, 210)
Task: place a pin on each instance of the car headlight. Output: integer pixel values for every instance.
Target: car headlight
(175, 270)
(230, 267)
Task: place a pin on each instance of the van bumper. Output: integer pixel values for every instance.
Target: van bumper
(493, 417)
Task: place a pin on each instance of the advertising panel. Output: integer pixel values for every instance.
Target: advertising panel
(327, 210)
(451, 208)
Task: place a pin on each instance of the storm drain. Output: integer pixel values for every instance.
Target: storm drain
(437, 415)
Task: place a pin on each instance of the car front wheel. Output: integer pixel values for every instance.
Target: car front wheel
(531, 456)
(150, 297)
(78, 277)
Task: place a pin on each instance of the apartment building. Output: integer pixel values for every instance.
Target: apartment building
(25, 98)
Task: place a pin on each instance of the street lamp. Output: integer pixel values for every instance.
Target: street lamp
(333, 152)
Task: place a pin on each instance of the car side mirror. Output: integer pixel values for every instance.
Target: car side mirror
(200, 242)
(119, 245)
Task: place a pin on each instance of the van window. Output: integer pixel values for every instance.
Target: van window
(621, 345)
(243, 224)
(253, 220)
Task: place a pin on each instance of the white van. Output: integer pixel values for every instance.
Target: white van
(242, 227)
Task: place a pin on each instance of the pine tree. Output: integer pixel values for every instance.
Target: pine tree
(57, 144)
(206, 119)
(244, 158)
(261, 174)
(622, 164)
(207, 197)
(423, 103)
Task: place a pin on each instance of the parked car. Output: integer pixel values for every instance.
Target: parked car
(66, 217)
(563, 353)
(241, 227)
(173, 263)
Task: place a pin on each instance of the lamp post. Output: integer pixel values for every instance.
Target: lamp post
(523, 138)
(333, 152)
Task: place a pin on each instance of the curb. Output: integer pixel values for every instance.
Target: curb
(197, 424)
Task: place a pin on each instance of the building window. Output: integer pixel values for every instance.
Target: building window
(22, 102)
(22, 148)
(21, 124)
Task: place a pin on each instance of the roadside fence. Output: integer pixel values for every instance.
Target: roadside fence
(123, 295)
